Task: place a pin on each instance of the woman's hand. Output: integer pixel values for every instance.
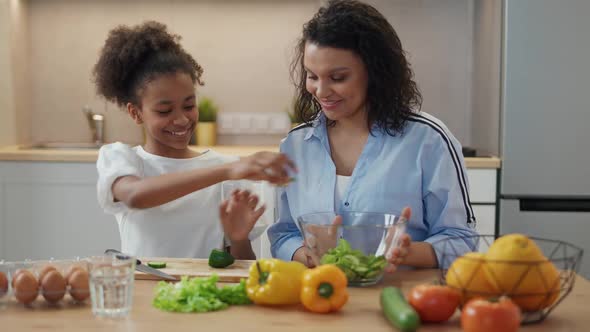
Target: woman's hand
(397, 256)
(319, 239)
(238, 214)
(263, 166)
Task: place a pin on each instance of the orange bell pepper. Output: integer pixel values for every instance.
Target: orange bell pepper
(323, 289)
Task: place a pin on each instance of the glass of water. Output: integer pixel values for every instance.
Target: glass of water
(111, 285)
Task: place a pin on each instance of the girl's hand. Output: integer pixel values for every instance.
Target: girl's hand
(238, 214)
(263, 166)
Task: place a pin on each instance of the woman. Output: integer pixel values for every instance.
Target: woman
(365, 146)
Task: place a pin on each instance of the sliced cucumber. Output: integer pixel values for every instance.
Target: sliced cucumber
(157, 265)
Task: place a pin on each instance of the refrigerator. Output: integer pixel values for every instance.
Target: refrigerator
(545, 126)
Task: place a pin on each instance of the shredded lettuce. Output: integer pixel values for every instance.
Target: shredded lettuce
(198, 295)
(354, 263)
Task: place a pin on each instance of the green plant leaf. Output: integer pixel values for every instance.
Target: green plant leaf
(207, 110)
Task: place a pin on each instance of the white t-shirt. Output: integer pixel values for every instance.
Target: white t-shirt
(186, 227)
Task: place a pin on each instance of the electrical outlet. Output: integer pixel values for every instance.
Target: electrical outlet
(241, 123)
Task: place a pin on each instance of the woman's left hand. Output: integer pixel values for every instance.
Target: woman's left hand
(238, 214)
(397, 255)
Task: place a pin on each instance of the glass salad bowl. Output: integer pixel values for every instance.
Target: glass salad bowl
(358, 246)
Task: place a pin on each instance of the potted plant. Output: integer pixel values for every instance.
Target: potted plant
(294, 117)
(206, 131)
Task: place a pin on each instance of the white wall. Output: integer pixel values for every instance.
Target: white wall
(487, 54)
(437, 35)
(243, 47)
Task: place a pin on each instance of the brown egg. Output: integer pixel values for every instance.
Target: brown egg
(3, 284)
(46, 269)
(26, 287)
(79, 288)
(53, 286)
(15, 274)
(71, 270)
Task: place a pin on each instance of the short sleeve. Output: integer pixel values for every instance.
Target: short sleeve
(114, 161)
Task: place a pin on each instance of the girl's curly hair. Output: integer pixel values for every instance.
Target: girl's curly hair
(133, 56)
(392, 94)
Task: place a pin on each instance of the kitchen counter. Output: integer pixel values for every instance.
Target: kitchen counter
(23, 153)
(362, 312)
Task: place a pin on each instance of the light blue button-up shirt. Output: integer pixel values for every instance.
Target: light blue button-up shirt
(423, 168)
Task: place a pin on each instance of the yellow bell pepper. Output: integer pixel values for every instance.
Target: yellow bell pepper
(323, 289)
(274, 282)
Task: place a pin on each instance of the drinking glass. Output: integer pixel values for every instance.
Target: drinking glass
(111, 285)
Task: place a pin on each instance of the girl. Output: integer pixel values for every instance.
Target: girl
(365, 146)
(164, 195)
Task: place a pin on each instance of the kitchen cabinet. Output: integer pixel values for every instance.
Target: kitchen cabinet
(483, 194)
(49, 209)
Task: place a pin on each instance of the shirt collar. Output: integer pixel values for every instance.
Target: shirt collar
(319, 129)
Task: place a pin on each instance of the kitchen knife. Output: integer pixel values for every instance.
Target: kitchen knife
(141, 267)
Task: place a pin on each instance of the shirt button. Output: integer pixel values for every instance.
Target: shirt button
(346, 204)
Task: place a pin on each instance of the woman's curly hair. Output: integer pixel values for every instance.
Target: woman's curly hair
(392, 93)
(133, 56)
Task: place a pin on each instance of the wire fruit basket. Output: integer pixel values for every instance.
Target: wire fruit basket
(536, 284)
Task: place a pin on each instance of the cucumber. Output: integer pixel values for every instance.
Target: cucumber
(398, 311)
(157, 265)
(220, 259)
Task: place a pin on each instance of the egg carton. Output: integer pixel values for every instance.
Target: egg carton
(51, 281)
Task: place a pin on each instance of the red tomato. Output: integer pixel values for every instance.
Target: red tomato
(434, 303)
(481, 315)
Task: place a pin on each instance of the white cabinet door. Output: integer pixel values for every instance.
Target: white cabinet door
(482, 185)
(486, 222)
(51, 210)
(486, 219)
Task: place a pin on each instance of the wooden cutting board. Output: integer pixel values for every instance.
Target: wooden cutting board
(191, 267)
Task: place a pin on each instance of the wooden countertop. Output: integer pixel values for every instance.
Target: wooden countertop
(362, 312)
(24, 153)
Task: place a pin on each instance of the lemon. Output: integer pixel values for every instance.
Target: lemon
(516, 266)
(467, 274)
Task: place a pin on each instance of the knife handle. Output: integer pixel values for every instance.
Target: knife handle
(121, 255)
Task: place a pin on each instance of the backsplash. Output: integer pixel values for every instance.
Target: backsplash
(244, 46)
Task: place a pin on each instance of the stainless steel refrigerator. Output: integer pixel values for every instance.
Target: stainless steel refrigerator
(545, 176)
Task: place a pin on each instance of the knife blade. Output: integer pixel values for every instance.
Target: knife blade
(150, 270)
(143, 268)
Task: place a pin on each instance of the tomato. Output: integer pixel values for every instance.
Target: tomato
(434, 303)
(482, 315)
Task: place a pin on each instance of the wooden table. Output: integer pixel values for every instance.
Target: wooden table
(361, 313)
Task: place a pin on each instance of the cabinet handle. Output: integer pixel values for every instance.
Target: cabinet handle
(555, 204)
